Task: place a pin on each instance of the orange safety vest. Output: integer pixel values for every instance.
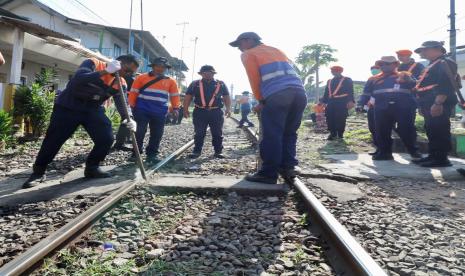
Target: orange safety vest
(202, 95)
(107, 79)
(423, 75)
(410, 69)
(332, 94)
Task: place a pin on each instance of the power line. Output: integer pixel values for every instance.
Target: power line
(98, 16)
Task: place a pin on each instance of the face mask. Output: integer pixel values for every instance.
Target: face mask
(375, 71)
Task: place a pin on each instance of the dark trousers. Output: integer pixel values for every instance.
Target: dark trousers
(244, 118)
(63, 123)
(122, 135)
(371, 124)
(280, 119)
(203, 119)
(438, 131)
(156, 122)
(385, 120)
(336, 116)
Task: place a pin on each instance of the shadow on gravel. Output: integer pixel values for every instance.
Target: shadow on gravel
(58, 186)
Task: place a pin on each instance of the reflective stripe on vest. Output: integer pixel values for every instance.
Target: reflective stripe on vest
(423, 76)
(410, 69)
(391, 90)
(202, 95)
(333, 94)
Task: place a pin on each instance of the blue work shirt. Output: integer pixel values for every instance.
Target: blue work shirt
(387, 90)
(437, 75)
(87, 79)
(413, 67)
(345, 93)
(209, 89)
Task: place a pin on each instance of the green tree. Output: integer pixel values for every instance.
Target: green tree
(311, 58)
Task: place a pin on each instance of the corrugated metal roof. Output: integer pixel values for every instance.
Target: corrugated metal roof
(33, 28)
(74, 9)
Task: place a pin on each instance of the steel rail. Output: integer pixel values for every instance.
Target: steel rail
(75, 228)
(354, 255)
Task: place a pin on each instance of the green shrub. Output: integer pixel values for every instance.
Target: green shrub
(6, 129)
(36, 102)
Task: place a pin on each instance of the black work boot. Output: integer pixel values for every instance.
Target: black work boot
(461, 171)
(194, 155)
(436, 163)
(374, 152)
(219, 155)
(380, 156)
(415, 155)
(422, 160)
(332, 137)
(37, 177)
(288, 174)
(95, 173)
(256, 177)
(152, 159)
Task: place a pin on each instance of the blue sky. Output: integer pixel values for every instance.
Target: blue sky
(360, 30)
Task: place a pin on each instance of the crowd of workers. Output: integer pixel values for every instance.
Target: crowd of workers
(391, 97)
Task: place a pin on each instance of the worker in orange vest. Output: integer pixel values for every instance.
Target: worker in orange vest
(339, 99)
(408, 64)
(282, 101)
(209, 96)
(149, 97)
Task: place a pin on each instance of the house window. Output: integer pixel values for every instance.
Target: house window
(117, 50)
(23, 80)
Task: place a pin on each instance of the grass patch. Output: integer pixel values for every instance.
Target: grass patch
(357, 135)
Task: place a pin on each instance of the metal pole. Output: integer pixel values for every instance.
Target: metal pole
(195, 52)
(135, 148)
(141, 15)
(182, 48)
(130, 29)
(453, 32)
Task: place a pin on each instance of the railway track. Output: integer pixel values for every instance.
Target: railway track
(229, 215)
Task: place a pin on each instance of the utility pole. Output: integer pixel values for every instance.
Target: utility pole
(195, 53)
(141, 15)
(130, 29)
(183, 24)
(453, 32)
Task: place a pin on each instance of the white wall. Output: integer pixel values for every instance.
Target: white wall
(31, 68)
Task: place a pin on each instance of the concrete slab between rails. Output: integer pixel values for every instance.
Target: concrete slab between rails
(362, 166)
(61, 186)
(342, 191)
(222, 184)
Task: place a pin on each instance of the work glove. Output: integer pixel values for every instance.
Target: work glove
(130, 124)
(113, 66)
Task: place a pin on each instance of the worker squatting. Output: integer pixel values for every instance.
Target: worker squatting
(391, 97)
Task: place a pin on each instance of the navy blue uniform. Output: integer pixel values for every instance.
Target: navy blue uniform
(246, 108)
(71, 111)
(204, 117)
(412, 67)
(363, 100)
(394, 103)
(437, 82)
(338, 93)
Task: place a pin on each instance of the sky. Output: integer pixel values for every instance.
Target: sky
(361, 30)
